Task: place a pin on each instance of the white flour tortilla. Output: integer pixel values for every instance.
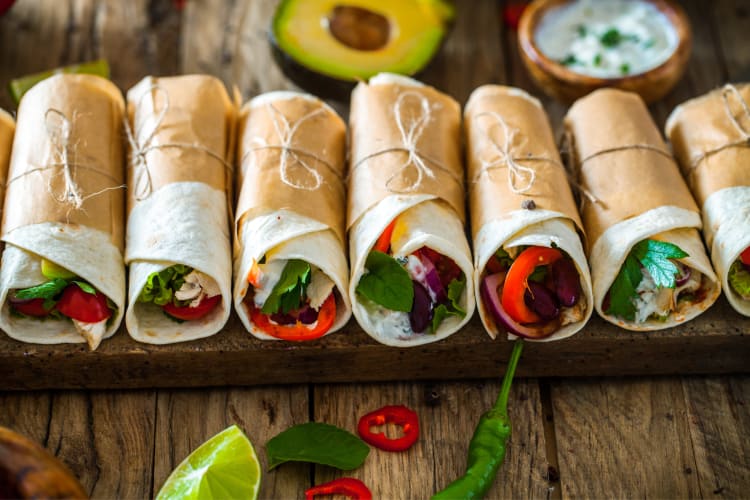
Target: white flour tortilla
(286, 235)
(87, 252)
(430, 223)
(537, 228)
(181, 223)
(672, 224)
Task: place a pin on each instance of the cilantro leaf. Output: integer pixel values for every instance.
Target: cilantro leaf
(386, 283)
(622, 292)
(289, 291)
(442, 311)
(48, 290)
(654, 256)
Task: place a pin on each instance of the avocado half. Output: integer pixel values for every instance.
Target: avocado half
(327, 46)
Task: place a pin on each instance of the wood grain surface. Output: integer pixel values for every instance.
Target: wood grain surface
(658, 437)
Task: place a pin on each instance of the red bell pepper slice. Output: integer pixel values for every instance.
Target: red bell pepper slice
(32, 307)
(349, 486)
(297, 332)
(399, 415)
(187, 313)
(516, 282)
(745, 256)
(83, 306)
(384, 241)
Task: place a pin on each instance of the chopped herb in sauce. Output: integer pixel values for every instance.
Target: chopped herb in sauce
(611, 38)
(569, 60)
(649, 43)
(598, 60)
(625, 68)
(581, 29)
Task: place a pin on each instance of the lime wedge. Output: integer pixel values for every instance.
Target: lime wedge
(19, 86)
(225, 466)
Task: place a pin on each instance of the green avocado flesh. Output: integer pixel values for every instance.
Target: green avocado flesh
(355, 39)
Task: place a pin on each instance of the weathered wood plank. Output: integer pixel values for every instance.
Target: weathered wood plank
(718, 411)
(185, 419)
(448, 414)
(27, 413)
(623, 438)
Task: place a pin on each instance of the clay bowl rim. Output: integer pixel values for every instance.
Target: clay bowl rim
(675, 63)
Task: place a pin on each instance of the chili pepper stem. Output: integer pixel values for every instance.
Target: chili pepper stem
(502, 399)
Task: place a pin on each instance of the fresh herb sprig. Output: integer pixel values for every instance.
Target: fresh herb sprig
(386, 283)
(452, 307)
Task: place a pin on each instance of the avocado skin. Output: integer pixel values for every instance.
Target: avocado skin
(321, 85)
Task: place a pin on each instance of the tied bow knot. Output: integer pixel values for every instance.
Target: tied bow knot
(59, 130)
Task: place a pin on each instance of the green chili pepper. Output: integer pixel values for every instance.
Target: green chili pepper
(487, 446)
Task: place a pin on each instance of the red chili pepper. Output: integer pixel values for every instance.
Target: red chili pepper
(349, 486)
(516, 282)
(399, 415)
(745, 256)
(512, 14)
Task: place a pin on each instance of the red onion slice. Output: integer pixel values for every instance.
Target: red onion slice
(684, 274)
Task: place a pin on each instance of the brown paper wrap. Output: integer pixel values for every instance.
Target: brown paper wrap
(621, 159)
(389, 119)
(292, 156)
(181, 130)
(69, 126)
(495, 188)
(7, 128)
(710, 137)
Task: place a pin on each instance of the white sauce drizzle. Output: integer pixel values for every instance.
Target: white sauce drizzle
(607, 38)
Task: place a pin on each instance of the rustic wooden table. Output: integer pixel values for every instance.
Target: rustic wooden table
(676, 437)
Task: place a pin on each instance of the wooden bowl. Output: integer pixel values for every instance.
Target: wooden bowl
(558, 81)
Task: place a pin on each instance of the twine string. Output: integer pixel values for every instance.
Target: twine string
(139, 149)
(292, 155)
(411, 131)
(743, 131)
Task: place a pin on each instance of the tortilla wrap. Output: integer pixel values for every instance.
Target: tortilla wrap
(499, 119)
(67, 124)
(622, 161)
(430, 212)
(291, 203)
(709, 138)
(7, 129)
(179, 180)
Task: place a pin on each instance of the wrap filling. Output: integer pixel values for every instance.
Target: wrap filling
(183, 293)
(739, 275)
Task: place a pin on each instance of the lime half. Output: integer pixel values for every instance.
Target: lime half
(225, 466)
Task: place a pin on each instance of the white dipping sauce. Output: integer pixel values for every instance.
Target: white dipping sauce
(607, 38)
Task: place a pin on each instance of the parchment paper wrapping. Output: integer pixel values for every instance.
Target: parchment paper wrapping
(432, 214)
(7, 128)
(291, 203)
(501, 121)
(701, 131)
(73, 120)
(640, 194)
(179, 180)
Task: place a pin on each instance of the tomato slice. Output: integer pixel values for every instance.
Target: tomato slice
(516, 282)
(297, 332)
(33, 307)
(187, 313)
(81, 306)
(745, 256)
(384, 241)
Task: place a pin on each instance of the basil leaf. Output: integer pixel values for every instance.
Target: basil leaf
(318, 443)
(622, 293)
(289, 291)
(654, 256)
(386, 283)
(48, 290)
(442, 311)
(85, 287)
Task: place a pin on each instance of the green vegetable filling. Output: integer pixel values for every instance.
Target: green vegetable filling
(386, 283)
(51, 291)
(452, 307)
(290, 292)
(161, 286)
(652, 255)
(739, 279)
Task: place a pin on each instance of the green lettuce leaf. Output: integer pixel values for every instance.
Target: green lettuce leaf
(386, 283)
(161, 286)
(289, 293)
(452, 308)
(739, 279)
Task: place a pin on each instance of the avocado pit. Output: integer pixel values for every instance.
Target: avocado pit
(359, 28)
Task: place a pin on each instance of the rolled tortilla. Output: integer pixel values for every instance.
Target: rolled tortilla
(65, 201)
(709, 136)
(179, 180)
(502, 121)
(422, 190)
(622, 161)
(291, 206)
(7, 129)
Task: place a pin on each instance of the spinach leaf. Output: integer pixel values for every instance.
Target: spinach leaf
(289, 292)
(386, 283)
(453, 308)
(318, 443)
(48, 290)
(622, 292)
(654, 256)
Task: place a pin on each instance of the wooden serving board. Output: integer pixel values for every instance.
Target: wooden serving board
(716, 342)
